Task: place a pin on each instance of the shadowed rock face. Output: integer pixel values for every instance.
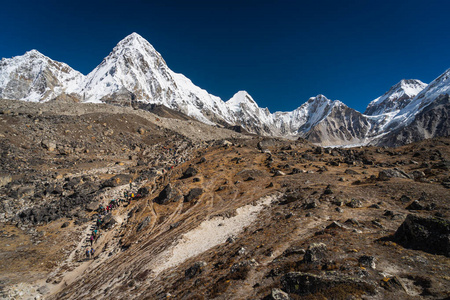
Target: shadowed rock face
(428, 234)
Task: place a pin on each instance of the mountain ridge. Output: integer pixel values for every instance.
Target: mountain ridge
(135, 71)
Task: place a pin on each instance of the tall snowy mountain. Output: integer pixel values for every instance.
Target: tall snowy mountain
(134, 66)
(396, 98)
(35, 77)
(135, 71)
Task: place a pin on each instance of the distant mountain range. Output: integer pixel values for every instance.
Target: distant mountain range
(134, 71)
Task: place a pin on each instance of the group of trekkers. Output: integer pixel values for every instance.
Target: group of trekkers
(102, 211)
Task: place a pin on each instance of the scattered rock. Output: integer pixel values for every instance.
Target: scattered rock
(417, 175)
(328, 190)
(405, 199)
(5, 179)
(108, 221)
(311, 204)
(279, 173)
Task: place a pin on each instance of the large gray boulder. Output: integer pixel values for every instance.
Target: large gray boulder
(167, 195)
(430, 234)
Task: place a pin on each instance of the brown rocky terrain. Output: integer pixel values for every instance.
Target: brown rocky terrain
(221, 215)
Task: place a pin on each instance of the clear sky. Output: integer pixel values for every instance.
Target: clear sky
(280, 52)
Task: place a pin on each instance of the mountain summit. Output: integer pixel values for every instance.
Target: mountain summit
(396, 98)
(35, 77)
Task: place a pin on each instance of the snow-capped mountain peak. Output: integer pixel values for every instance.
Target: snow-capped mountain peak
(35, 77)
(241, 100)
(396, 98)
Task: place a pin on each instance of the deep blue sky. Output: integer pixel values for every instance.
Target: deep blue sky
(281, 52)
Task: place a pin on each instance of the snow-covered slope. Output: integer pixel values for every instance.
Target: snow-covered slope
(439, 86)
(245, 112)
(396, 98)
(35, 77)
(134, 65)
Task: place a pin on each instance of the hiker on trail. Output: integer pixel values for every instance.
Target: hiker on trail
(88, 253)
(91, 239)
(95, 233)
(92, 252)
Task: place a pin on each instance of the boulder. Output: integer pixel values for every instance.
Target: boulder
(415, 205)
(193, 194)
(367, 261)
(351, 172)
(355, 203)
(278, 294)
(392, 173)
(5, 179)
(93, 206)
(143, 191)
(108, 221)
(49, 145)
(143, 224)
(293, 250)
(303, 284)
(195, 269)
(168, 194)
(430, 234)
(315, 252)
(191, 171)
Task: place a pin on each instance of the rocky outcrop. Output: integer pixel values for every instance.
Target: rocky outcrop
(430, 234)
(304, 283)
(167, 195)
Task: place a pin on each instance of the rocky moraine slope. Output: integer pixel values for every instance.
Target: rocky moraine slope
(216, 214)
